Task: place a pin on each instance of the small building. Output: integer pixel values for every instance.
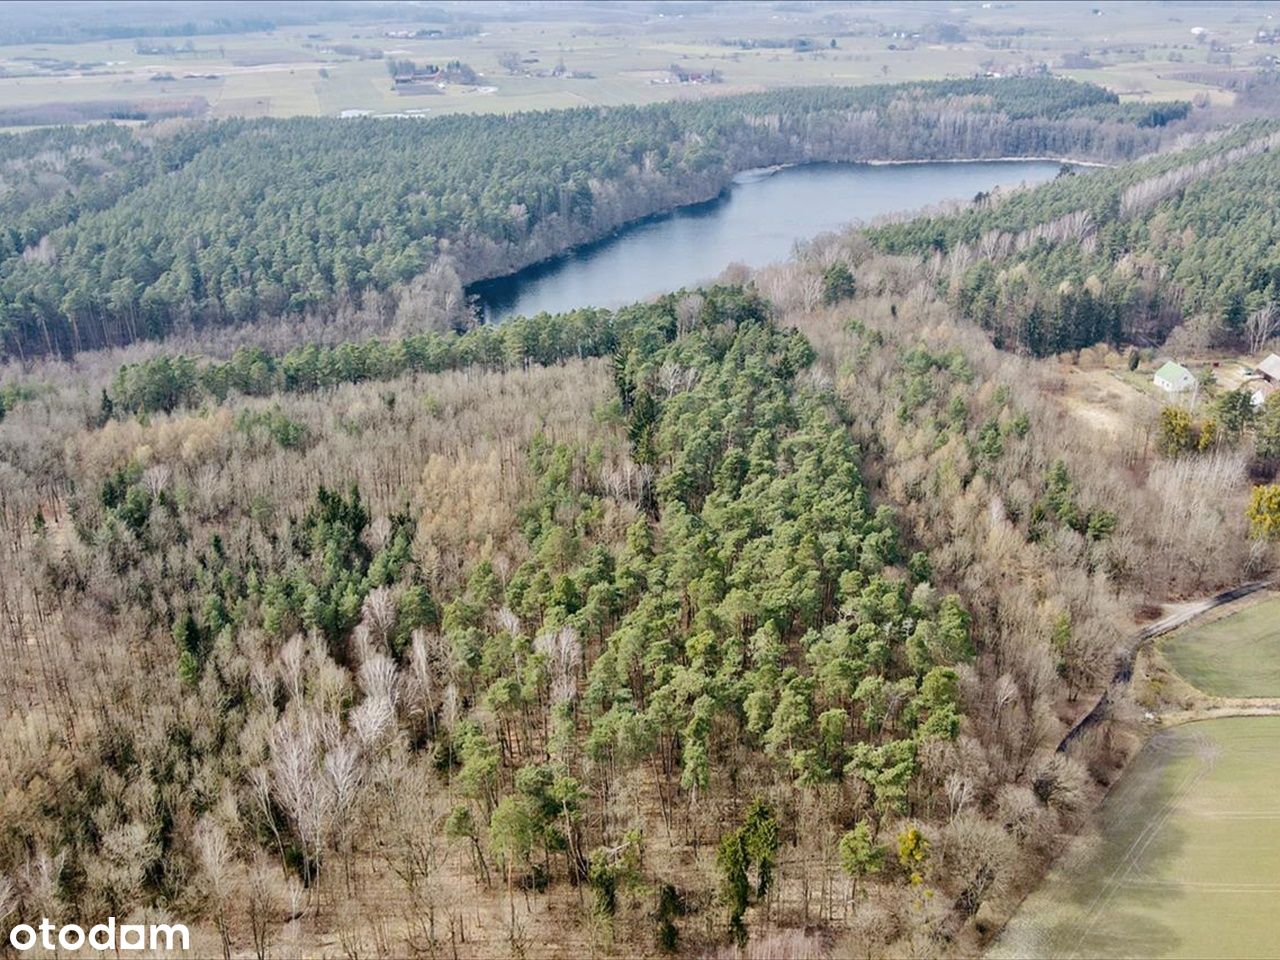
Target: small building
(1259, 390)
(1174, 378)
(429, 74)
(682, 75)
(1269, 369)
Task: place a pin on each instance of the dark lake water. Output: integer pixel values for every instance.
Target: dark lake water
(757, 221)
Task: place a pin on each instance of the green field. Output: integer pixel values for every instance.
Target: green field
(1238, 656)
(1183, 861)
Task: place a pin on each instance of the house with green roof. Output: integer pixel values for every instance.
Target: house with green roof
(1174, 378)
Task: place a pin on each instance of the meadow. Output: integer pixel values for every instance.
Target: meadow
(1181, 862)
(1236, 656)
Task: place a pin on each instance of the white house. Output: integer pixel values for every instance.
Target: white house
(1174, 378)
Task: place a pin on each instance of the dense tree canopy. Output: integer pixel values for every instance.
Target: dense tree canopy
(1124, 253)
(230, 221)
(707, 574)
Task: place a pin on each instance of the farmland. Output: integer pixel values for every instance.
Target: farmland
(1181, 863)
(533, 58)
(805, 612)
(1237, 656)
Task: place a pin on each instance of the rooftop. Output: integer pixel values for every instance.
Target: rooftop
(1270, 367)
(1172, 371)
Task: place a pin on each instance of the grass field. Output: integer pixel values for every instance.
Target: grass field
(1182, 863)
(1238, 656)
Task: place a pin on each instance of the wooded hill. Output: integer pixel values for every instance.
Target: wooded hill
(616, 649)
(187, 226)
(682, 563)
(1119, 255)
(751, 614)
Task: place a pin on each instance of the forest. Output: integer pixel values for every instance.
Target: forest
(730, 618)
(748, 620)
(705, 555)
(1123, 255)
(116, 237)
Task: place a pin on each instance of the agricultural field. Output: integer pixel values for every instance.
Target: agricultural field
(1236, 656)
(531, 57)
(1182, 861)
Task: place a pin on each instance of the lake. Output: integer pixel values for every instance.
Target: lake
(758, 220)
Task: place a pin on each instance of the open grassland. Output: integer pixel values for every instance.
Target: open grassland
(622, 54)
(1182, 863)
(1237, 656)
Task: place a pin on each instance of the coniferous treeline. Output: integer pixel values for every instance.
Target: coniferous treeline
(237, 220)
(166, 382)
(1123, 254)
(1137, 112)
(54, 176)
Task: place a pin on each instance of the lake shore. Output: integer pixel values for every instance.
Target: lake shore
(757, 218)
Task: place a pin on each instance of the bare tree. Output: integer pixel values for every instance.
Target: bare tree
(156, 478)
(262, 907)
(214, 853)
(959, 794)
(380, 614)
(980, 857)
(509, 60)
(300, 787)
(1261, 326)
(810, 289)
(428, 677)
(563, 650)
(687, 312)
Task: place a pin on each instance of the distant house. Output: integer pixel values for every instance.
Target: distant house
(1174, 378)
(429, 74)
(428, 33)
(1269, 369)
(683, 75)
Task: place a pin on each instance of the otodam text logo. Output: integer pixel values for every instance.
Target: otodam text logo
(101, 936)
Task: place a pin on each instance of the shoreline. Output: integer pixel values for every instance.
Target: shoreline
(1098, 164)
(771, 169)
(739, 178)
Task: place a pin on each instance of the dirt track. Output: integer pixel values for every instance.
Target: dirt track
(1125, 656)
